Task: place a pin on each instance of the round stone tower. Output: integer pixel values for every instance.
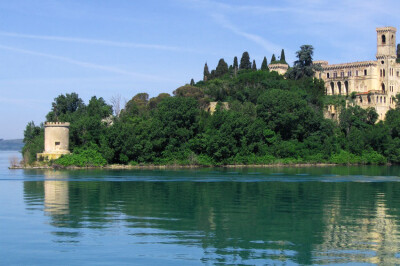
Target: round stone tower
(56, 140)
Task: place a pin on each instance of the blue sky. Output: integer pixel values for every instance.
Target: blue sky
(123, 47)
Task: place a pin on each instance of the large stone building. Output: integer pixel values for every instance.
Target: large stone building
(56, 140)
(375, 83)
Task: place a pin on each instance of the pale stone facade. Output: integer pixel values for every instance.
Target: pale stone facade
(56, 140)
(375, 83)
(280, 68)
(212, 106)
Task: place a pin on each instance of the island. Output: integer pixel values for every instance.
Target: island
(240, 114)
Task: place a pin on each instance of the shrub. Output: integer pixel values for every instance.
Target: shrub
(82, 158)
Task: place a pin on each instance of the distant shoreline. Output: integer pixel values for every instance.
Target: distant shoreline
(151, 167)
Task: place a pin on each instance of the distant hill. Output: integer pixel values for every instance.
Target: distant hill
(11, 145)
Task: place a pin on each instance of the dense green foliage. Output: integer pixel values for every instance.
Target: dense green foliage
(270, 120)
(33, 139)
(82, 158)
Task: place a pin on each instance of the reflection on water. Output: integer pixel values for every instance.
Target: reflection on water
(56, 196)
(248, 217)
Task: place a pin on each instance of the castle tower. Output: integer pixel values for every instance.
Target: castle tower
(386, 43)
(56, 140)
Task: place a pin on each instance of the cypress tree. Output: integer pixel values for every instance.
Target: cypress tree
(254, 67)
(245, 61)
(398, 53)
(273, 59)
(283, 59)
(235, 63)
(264, 65)
(192, 82)
(221, 69)
(206, 73)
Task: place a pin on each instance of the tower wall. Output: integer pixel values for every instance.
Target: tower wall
(56, 140)
(56, 137)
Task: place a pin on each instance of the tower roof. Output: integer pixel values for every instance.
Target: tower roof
(386, 29)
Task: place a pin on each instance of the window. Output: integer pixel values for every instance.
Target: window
(342, 74)
(365, 72)
(57, 143)
(349, 74)
(381, 72)
(384, 73)
(334, 74)
(356, 73)
(383, 39)
(320, 75)
(398, 73)
(327, 75)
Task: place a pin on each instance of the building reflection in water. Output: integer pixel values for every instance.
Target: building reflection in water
(369, 236)
(56, 193)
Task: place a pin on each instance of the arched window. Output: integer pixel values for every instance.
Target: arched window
(383, 87)
(333, 88)
(346, 87)
(339, 84)
(383, 39)
(384, 73)
(365, 72)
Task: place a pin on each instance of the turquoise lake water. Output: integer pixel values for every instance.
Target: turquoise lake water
(255, 216)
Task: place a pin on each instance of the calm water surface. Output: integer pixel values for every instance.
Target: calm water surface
(281, 216)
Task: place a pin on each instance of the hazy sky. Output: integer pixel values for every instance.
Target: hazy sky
(123, 47)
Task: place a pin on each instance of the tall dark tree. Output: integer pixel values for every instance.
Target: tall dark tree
(206, 73)
(303, 67)
(264, 65)
(245, 61)
(222, 68)
(273, 59)
(254, 66)
(398, 53)
(192, 82)
(235, 63)
(283, 59)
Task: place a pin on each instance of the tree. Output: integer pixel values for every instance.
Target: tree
(235, 63)
(254, 66)
(192, 82)
(206, 73)
(273, 59)
(63, 106)
(137, 105)
(303, 67)
(153, 102)
(116, 104)
(245, 61)
(287, 113)
(222, 68)
(283, 59)
(264, 65)
(398, 53)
